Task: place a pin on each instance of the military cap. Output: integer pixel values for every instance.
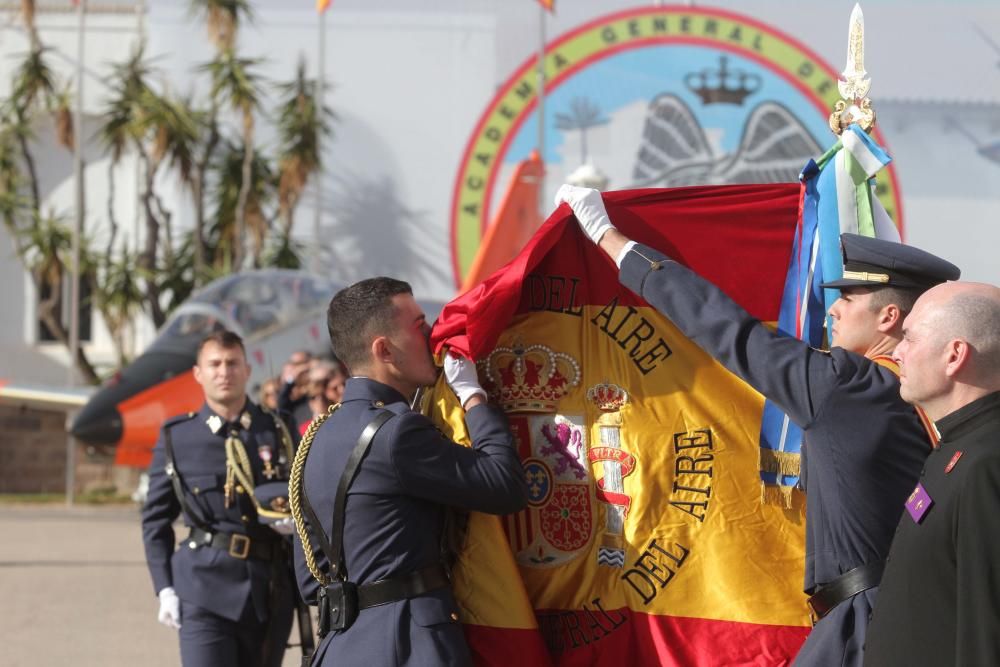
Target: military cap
(875, 262)
(272, 501)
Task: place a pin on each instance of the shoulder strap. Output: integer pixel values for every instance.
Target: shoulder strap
(334, 548)
(175, 481)
(888, 362)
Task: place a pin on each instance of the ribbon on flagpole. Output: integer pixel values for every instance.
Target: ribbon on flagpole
(836, 197)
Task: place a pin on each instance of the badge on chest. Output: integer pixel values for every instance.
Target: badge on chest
(919, 503)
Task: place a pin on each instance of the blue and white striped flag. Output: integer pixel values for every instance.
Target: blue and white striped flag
(837, 197)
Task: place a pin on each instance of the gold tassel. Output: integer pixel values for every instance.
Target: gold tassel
(778, 495)
(781, 463)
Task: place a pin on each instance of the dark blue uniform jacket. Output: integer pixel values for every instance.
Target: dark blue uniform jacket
(207, 577)
(864, 446)
(394, 518)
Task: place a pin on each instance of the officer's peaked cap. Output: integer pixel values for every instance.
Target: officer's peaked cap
(875, 262)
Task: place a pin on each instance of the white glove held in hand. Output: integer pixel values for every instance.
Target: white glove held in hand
(170, 608)
(589, 209)
(460, 373)
(284, 526)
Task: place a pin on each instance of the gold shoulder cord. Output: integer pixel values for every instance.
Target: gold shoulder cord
(295, 494)
(238, 465)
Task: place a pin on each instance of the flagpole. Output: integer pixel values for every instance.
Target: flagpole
(541, 104)
(320, 85)
(74, 310)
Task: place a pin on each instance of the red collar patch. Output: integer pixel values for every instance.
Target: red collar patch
(954, 460)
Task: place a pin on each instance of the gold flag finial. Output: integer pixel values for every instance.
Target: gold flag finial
(854, 83)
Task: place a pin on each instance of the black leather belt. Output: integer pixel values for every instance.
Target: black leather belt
(236, 545)
(846, 586)
(402, 587)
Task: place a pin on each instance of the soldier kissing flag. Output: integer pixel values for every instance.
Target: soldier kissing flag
(645, 541)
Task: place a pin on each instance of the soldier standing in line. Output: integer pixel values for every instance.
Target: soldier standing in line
(863, 445)
(227, 587)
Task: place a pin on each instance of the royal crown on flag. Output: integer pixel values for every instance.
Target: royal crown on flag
(532, 378)
(722, 86)
(608, 397)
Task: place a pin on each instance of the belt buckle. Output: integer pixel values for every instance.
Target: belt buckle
(239, 546)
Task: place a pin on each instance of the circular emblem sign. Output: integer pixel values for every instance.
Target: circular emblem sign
(656, 97)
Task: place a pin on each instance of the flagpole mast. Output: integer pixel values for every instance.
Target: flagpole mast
(74, 309)
(320, 85)
(541, 104)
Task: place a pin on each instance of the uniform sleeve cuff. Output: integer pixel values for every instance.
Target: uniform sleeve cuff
(621, 256)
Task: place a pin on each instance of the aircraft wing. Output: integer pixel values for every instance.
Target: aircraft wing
(47, 398)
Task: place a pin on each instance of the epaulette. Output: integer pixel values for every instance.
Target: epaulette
(177, 419)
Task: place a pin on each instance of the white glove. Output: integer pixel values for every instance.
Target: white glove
(460, 373)
(588, 207)
(284, 526)
(170, 608)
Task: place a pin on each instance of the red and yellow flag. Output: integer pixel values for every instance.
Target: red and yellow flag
(323, 5)
(645, 541)
(548, 4)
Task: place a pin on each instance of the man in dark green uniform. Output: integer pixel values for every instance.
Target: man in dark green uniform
(863, 445)
(940, 599)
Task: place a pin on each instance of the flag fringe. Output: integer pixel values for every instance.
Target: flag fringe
(772, 494)
(781, 463)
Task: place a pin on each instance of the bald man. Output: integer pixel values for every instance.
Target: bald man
(940, 598)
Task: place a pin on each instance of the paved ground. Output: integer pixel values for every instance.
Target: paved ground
(74, 590)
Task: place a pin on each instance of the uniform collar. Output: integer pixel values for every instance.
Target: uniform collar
(968, 417)
(215, 423)
(366, 389)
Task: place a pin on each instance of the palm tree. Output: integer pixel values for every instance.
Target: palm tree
(44, 246)
(222, 18)
(118, 296)
(234, 81)
(583, 115)
(164, 132)
(301, 128)
(229, 186)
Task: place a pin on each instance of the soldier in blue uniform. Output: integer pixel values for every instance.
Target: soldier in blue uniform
(227, 586)
(396, 503)
(863, 445)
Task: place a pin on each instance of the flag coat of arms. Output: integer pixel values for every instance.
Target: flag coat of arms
(645, 540)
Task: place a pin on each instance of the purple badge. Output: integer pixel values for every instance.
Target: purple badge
(918, 503)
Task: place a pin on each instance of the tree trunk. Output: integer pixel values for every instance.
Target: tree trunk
(112, 220)
(244, 196)
(198, 192)
(48, 314)
(29, 162)
(146, 261)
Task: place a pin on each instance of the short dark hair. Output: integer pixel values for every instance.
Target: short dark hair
(901, 297)
(223, 338)
(359, 313)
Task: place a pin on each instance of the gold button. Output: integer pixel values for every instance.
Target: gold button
(655, 266)
(454, 616)
(379, 404)
(240, 489)
(245, 518)
(196, 490)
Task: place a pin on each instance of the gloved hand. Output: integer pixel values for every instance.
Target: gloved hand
(170, 608)
(589, 209)
(460, 373)
(284, 526)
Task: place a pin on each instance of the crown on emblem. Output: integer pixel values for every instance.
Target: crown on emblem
(608, 397)
(532, 378)
(722, 86)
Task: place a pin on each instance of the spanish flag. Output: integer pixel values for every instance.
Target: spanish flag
(323, 5)
(548, 4)
(645, 541)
